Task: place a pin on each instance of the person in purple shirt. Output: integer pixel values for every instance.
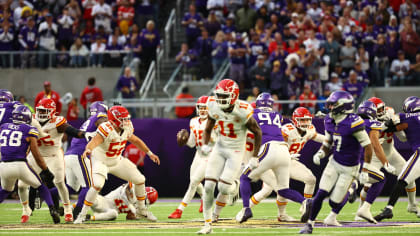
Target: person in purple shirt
(149, 40)
(192, 23)
(393, 45)
(381, 61)
(229, 25)
(80, 177)
(212, 24)
(28, 41)
(379, 27)
(237, 53)
(113, 59)
(274, 156)
(65, 23)
(188, 58)
(127, 84)
(369, 38)
(219, 51)
(278, 81)
(16, 139)
(345, 135)
(353, 86)
(361, 76)
(204, 48)
(7, 105)
(255, 48)
(6, 42)
(134, 47)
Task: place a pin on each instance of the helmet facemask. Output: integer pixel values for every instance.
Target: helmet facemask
(380, 112)
(303, 123)
(43, 114)
(223, 99)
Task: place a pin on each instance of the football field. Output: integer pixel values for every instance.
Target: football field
(263, 223)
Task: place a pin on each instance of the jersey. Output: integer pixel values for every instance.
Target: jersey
(295, 140)
(6, 109)
(413, 130)
(270, 123)
(77, 146)
(346, 147)
(232, 125)
(114, 143)
(50, 144)
(14, 146)
(196, 133)
(119, 201)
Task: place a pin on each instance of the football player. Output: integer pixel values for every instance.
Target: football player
(78, 169)
(409, 122)
(345, 131)
(105, 151)
(7, 105)
(234, 118)
(15, 140)
(198, 166)
(53, 127)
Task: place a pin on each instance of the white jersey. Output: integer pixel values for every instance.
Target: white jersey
(114, 144)
(232, 125)
(295, 140)
(249, 147)
(119, 201)
(50, 140)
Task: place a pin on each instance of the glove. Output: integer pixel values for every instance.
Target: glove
(318, 156)
(390, 126)
(253, 163)
(205, 149)
(389, 168)
(89, 136)
(363, 177)
(295, 156)
(47, 177)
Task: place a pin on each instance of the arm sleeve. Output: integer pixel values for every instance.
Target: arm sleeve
(362, 137)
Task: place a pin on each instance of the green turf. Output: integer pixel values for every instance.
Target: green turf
(263, 223)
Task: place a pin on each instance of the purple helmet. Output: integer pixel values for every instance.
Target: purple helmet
(411, 104)
(340, 102)
(6, 96)
(98, 107)
(367, 109)
(264, 100)
(21, 115)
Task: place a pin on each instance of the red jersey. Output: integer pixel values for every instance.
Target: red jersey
(183, 112)
(53, 95)
(126, 12)
(310, 96)
(135, 155)
(90, 95)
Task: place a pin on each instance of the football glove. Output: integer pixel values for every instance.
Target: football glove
(47, 177)
(389, 168)
(318, 156)
(295, 156)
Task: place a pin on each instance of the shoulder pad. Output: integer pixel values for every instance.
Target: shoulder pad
(105, 129)
(355, 121)
(100, 115)
(59, 120)
(33, 131)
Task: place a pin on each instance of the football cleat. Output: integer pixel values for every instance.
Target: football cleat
(176, 214)
(146, 214)
(331, 220)
(80, 219)
(385, 214)
(239, 215)
(68, 218)
(306, 210)
(205, 230)
(24, 219)
(247, 215)
(413, 208)
(27, 212)
(200, 210)
(358, 218)
(364, 212)
(307, 229)
(214, 218)
(54, 214)
(285, 218)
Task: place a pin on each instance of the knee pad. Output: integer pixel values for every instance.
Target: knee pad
(224, 189)
(209, 187)
(139, 180)
(98, 181)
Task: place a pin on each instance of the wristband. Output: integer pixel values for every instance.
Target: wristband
(149, 153)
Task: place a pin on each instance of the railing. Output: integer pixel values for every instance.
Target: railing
(169, 32)
(171, 80)
(178, 15)
(219, 75)
(150, 77)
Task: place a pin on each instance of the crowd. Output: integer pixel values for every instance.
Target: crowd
(304, 49)
(77, 33)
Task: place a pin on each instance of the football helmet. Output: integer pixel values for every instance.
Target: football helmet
(119, 117)
(45, 109)
(151, 195)
(340, 102)
(264, 100)
(6, 96)
(22, 115)
(98, 107)
(411, 104)
(367, 110)
(201, 106)
(380, 107)
(226, 93)
(302, 118)
(253, 105)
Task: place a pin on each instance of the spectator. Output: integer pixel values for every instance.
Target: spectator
(121, 39)
(134, 154)
(255, 48)
(88, 6)
(90, 94)
(415, 71)
(73, 110)
(49, 93)
(6, 42)
(288, 35)
(203, 46)
(149, 41)
(332, 48)
(399, 70)
(65, 22)
(393, 45)
(307, 95)
(312, 43)
(260, 75)
(339, 71)
(354, 87)
(393, 24)
(62, 57)
(237, 52)
(362, 57)
(127, 84)
(348, 55)
(74, 10)
(184, 112)
(245, 17)
(28, 40)
(125, 14)
(229, 25)
(188, 58)
(113, 57)
(192, 21)
(78, 53)
(97, 50)
(381, 61)
(47, 39)
(219, 51)
(146, 10)
(134, 47)
(410, 41)
(23, 101)
(361, 75)
(102, 13)
(212, 25)
(295, 75)
(404, 8)
(276, 43)
(312, 67)
(254, 94)
(294, 24)
(324, 97)
(278, 81)
(335, 83)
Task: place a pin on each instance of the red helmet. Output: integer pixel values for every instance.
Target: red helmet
(151, 195)
(45, 109)
(253, 105)
(119, 116)
(302, 118)
(202, 109)
(380, 107)
(227, 92)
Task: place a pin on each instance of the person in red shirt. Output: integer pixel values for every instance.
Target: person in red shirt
(90, 94)
(73, 110)
(135, 155)
(308, 95)
(184, 112)
(49, 93)
(125, 12)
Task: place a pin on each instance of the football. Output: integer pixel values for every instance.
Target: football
(182, 137)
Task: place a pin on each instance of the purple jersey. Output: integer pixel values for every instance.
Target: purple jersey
(6, 111)
(270, 123)
(413, 130)
(28, 38)
(346, 146)
(14, 146)
(77, 146)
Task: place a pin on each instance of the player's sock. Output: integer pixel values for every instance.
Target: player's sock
(89, 200)
(140, 191)
(309, 189)
(281, 206)
(4, 194)
(45, 194)
(291, 194)
(64, 195)
(411, 193)
(245, 189)
(208, 198)
(23, 195)
(374, 191)
(260, 195)
(395, 194)
(336, 207)
(200, 190)
(317, 204)
(220, 203)
(188, 195)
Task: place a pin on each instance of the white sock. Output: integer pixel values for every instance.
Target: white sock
(411, 193)
(140, 191)
(220, 203)
(208, 198)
